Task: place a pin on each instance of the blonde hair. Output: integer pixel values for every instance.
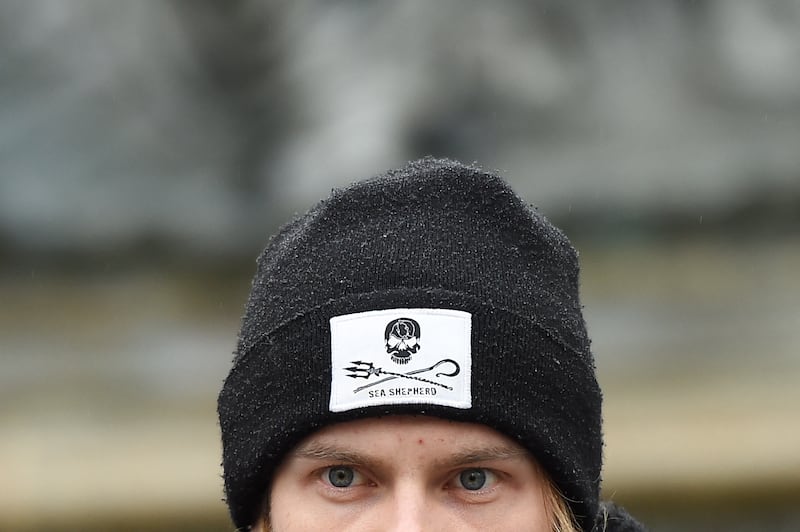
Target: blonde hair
(557, 509)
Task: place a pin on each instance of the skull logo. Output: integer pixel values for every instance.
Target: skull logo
(402, 339)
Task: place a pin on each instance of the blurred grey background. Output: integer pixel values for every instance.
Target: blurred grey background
(148, 150)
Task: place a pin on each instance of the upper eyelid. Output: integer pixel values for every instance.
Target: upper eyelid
(358, 470)
(497, 473)
(482, 468)
(451, 473)
(364, 478)
(495, 460)
(496, 469)
(498, 477)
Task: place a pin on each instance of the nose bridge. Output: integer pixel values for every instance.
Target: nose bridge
(409, 507)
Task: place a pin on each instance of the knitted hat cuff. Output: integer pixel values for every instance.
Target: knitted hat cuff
(278, 392)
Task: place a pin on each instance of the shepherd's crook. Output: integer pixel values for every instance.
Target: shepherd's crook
(366, 369)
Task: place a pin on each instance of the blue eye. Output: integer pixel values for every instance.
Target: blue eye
(473, 479)
(341, 476)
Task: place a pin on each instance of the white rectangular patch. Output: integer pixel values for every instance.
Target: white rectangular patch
(401, 356)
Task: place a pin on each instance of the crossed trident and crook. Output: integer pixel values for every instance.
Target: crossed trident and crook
(364, 370)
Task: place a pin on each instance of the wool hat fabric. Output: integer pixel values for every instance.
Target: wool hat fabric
(432, 289)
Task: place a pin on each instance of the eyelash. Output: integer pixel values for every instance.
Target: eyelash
(324, 475)
(359, 479)
(492, 479)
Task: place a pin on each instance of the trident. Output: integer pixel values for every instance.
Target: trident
(364, 370)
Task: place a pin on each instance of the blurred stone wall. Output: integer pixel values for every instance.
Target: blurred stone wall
(201, 124)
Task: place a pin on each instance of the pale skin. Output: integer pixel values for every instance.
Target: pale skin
(407, 473)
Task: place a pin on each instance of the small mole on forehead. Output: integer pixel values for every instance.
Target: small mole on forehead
(420, 441)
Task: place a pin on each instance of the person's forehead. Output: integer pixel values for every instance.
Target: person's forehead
(389, 431)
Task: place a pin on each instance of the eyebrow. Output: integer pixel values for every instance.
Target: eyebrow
(492, 453)
(333, 454)
(463, 456)
(321, 451)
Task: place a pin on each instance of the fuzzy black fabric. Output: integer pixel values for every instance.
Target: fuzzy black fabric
(433, 234)
(613, 518)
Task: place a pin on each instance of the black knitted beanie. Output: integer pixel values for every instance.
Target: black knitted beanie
(433, 289)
